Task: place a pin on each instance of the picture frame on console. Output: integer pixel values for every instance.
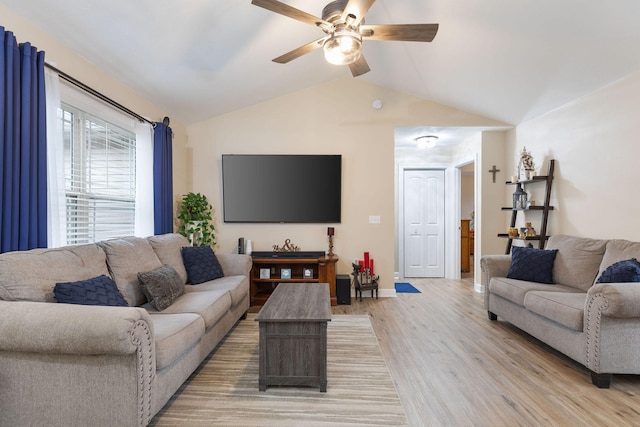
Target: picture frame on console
(265, 273)
(285, 273)
(307, 273)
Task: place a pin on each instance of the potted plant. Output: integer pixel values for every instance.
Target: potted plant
(196, 220)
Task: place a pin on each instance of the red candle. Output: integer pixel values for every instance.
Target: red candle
(371, 265)
(330, 231)
(361, 264)
(366, 260)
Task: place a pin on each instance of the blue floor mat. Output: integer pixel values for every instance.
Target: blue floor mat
(406, 287)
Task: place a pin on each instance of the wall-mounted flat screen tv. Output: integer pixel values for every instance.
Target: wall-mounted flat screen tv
(281, 188)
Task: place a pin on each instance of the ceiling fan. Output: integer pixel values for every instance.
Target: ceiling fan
(343, 23)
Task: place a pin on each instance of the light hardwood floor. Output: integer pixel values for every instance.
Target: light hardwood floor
(454, 367)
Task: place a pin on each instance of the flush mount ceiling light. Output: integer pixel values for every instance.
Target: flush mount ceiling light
(427, 141)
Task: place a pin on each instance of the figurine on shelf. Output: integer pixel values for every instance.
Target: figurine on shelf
(531, 232)
(523, 232)
(526, 166)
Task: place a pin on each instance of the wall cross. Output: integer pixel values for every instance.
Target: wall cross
(494, 171)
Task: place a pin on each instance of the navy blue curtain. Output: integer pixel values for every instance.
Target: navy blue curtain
(23, 166)
(162, 179)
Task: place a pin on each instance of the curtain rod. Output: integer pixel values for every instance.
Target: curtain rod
(97, 94)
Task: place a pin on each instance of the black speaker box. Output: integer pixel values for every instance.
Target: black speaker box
(241, 245)
(343, 289)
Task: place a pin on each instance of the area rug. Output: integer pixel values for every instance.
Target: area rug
(224, 390)
(406, 287)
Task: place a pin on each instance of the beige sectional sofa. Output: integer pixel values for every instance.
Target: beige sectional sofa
(596, 324)
(80, 365)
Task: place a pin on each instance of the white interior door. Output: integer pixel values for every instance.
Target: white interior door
(423, 223)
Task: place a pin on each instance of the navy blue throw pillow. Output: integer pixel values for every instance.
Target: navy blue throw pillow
(532, 265)
(100, 290)
(621, 272)
(201, 264)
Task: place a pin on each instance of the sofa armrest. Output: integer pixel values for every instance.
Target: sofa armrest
(621, 300)
(37, 327)
(46, 346)
(493, 266)
(611, 322)
(235, 264)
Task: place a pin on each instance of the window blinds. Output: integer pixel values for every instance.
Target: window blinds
(100, 177)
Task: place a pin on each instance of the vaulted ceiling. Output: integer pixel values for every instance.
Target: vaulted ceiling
(506, 60)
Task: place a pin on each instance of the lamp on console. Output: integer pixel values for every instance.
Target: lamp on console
(330, 232)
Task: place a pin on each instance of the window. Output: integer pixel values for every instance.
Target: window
(100, 177)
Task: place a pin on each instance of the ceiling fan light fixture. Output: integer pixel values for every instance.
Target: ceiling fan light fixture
(343, 47)
(427, 141)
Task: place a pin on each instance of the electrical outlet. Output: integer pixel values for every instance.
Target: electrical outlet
(374, 219)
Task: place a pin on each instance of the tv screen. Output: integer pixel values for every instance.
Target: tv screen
(281, 188)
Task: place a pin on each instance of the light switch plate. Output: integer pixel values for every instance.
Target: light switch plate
(374, 219)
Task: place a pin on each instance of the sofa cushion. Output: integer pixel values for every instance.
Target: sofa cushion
(161, 286)
(238, 287)
(565, 308)
(210, 305)
(621, 272)
(619, 250)
(201, 264)
(100, 290)
(174, 335)
(515, 290)
(577, 261)
(31, 275)
(168, 247)
(126, 257)
(533, 265)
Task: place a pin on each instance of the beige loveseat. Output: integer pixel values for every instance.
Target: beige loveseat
(80, 365)
(596, 324)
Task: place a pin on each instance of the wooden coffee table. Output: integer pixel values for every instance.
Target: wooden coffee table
(293, 336)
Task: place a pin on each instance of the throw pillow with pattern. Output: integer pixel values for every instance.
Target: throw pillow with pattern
(100, 290)
(532, 265)
(201, 264)
(621, 272)
(161, 286)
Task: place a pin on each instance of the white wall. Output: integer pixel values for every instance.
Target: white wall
(595, 142)
(491, 219)
(334, 118)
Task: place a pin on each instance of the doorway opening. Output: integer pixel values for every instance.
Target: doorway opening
(455, 155)
(467, 194)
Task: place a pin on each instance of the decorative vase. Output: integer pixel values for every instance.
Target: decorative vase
(195, 232)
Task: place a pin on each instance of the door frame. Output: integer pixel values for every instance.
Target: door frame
(447, 224)
(452, 183)
(458, 204)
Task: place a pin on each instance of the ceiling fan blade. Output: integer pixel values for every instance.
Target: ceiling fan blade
(400, 32)
(357, 8)
(291, 12)
(297, 53)
(359, 67)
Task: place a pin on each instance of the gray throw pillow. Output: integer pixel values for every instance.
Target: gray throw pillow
(161, 286)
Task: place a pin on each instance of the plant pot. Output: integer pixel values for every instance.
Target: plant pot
(194, 231)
